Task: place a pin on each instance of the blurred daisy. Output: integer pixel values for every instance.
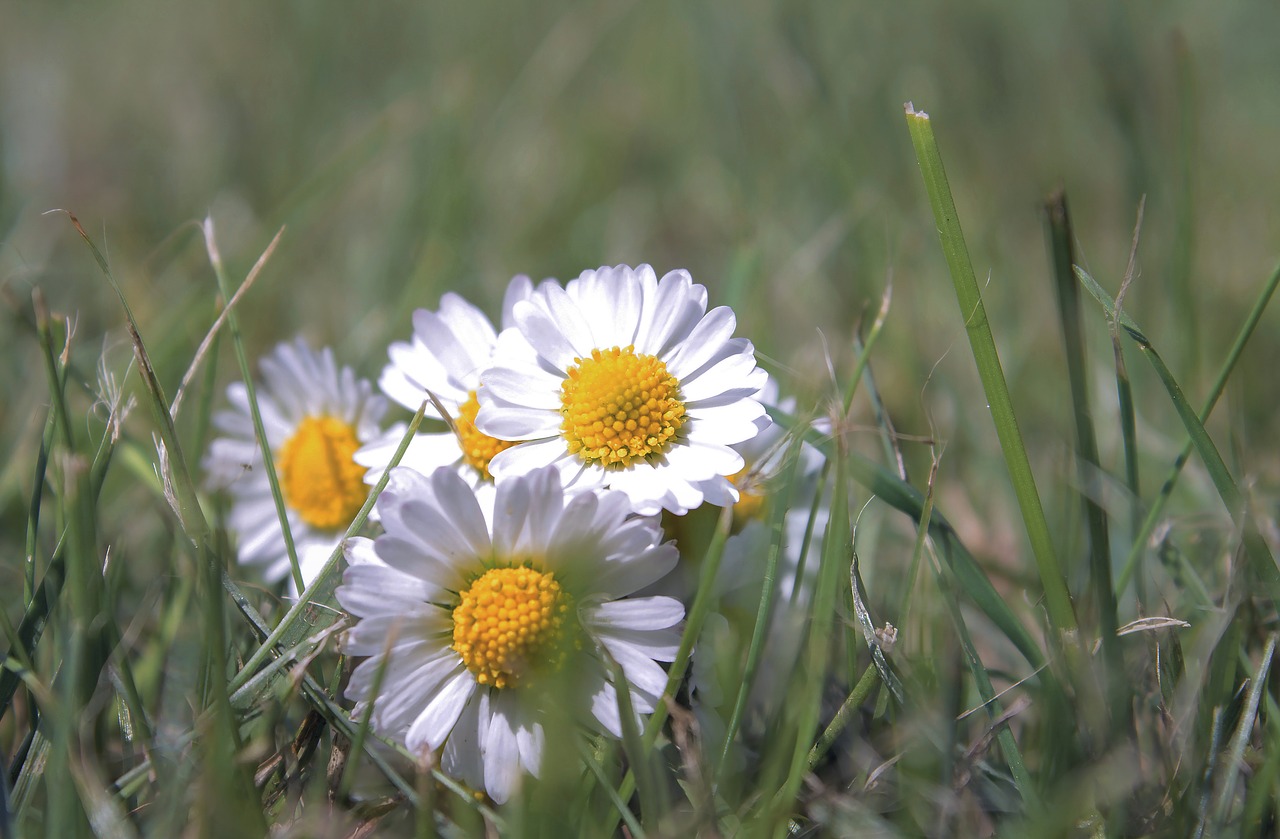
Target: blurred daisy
(448, 351)
(486, 624)
(718, 669)
(316, 416)
(626, 381)
(764, 457)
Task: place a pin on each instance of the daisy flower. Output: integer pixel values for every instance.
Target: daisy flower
(316, 416)
(486, 622)
(448, 351)
(626, 381)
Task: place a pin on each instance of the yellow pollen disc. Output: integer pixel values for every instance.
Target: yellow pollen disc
(318, 477)
(751, 497)
(477, 449)
(509, 625)
(620, 406)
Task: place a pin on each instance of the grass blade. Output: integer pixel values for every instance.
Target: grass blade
(1264, 564)
(313, 610)
(246, 375)
(905, 498)
(1233, 760)
(1057, 599)
(1062, 254)
(1215, 392)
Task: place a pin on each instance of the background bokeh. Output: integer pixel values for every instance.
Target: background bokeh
(415, 148)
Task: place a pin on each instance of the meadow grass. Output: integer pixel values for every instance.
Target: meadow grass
(1040, 554)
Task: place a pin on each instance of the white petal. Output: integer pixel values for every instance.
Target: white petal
(526, 387)
(657, 644)
(671, 311)
(732, 375)
(620, 578)
(531, 740)
(648, 680)
(526, 457)
(729, 425)
(703, 343)
(569, 319)
(520, 288)
(457, 504)
(699, 461)
(544, 335)
(510, 514)
(604, 707)
(461, 757)
(460, 336)
(500, 751)
(611, 299)
(638, 613)
(441, 714)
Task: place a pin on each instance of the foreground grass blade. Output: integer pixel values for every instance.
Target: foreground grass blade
(837, 554)
(1057, 599)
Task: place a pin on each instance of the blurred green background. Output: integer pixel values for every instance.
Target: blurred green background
(415, 148)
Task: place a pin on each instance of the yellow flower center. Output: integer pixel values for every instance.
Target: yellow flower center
(510, 624)
(751, 497)
(477, 448)
(620, 406)
(318, 477)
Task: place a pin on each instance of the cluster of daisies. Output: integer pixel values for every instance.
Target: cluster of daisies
(520, 546)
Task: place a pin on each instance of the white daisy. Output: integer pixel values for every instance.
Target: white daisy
(473, 677)
(449, 350)
(316, 417)
(626, 381)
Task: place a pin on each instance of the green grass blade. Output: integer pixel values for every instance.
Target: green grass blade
(990, 702)
(314, 611)
(251, 392)
(694, 620)
(837, 548)
(1215, 392)
(1233, 760)
(982, 342)
(33, 511)
(905, 498)
(619, 803)
(768, 594)
(1089, 467)
(1061, 239)
(852, 702)
(864, 352)
(1263, 563)
(653, 800)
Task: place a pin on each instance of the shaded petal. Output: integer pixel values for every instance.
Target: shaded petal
(440, 716)
(648, 680)
(500, 752)
(461, 757)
